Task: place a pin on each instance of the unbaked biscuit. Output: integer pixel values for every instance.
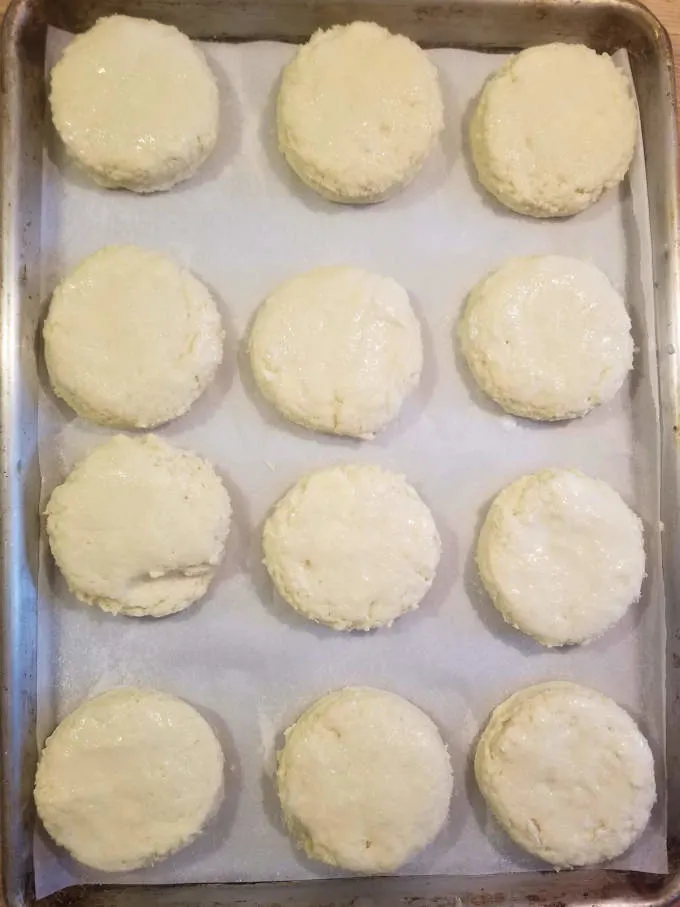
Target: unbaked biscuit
(337, 350)
(561, 555)
(567, 773)
(353, 547)
(553, 129)
(135, 103)
(547, 337)
(128, 778)
(358, 112)
(364, 780)
(139, 527)
(131, 339)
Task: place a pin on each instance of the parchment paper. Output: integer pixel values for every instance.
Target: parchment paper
(242, 656)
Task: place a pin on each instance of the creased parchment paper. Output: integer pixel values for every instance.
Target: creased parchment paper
(242, 656)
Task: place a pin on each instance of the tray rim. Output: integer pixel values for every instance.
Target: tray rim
(23, 22)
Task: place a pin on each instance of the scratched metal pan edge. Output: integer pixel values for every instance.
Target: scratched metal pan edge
(483, 24)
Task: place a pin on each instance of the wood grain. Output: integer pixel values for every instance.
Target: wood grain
(668, 12)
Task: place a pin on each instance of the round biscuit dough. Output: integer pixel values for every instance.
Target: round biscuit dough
(364, 780)
(353, 547)
(553, 129)
(131, 339)
(567, 773)
(337, 350)
(128, 778)
(562, 556)
(139, 527)
(135, 104)
(547, 337)
(358, 112)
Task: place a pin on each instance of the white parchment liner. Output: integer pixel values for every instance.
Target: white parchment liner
(242, 656)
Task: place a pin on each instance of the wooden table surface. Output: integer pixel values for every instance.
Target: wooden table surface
(668, 12)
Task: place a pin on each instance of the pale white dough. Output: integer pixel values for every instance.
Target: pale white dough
(135, 103)
(561, 555)
(553, 129)
(547, 337)
(131, 339)
(353, 547)
(139, 527)
(567, 773)
(337, 350)
(358, 112)
(129, 778)
(364, 780)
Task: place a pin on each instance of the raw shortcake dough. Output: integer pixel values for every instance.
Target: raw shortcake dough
(337, 349)
(129, 778)
(553, 129)
(135, 103)
(358, 112)
(547, 337)
(139, 527)
(567, 773)
(131, 339)
(364, 780)
(353, 547)
(561, 555)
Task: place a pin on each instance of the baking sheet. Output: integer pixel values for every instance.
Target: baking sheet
(242, 656)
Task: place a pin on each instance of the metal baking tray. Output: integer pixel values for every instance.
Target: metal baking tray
(480, 24)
